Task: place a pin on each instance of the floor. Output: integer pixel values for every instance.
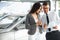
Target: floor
(17, 35)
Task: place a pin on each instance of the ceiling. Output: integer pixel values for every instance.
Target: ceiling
(25, 0)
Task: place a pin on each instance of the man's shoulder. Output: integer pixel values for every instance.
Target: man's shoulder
(52, 12)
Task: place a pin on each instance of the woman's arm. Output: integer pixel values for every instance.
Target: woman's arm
(27, 24)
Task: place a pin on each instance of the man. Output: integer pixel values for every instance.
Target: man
(48, 16)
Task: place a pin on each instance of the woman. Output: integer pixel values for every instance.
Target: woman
(33, 22)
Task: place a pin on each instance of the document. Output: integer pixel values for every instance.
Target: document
(53, 24)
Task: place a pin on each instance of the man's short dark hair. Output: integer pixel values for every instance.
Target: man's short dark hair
(45, 3)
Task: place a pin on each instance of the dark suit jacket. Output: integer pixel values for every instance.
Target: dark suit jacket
(30, 24)
(54, 35)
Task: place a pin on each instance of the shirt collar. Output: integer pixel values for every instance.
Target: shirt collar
(47, 13)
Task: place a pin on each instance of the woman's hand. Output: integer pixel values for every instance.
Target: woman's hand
(39, 23)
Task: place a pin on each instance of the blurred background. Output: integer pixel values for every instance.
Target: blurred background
(13, 14)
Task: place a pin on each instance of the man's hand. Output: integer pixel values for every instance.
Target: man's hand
(55, 27)
(45, 26)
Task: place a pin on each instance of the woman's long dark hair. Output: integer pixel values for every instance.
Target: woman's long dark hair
(35, 7)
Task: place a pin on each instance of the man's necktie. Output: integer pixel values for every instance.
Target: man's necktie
(47, 18)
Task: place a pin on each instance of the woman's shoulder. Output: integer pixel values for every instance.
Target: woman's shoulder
(28, 15)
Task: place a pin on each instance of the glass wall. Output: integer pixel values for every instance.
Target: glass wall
(58, 7)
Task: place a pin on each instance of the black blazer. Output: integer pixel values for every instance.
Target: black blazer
(54, 35)
(30, 24)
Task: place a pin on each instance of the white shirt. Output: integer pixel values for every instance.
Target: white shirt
(52, 17)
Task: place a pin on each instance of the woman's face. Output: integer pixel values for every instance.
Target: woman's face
(39, 10)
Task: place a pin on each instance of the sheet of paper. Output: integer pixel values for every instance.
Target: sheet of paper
(54, 23)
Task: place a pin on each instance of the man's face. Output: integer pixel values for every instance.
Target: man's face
(46, 8)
